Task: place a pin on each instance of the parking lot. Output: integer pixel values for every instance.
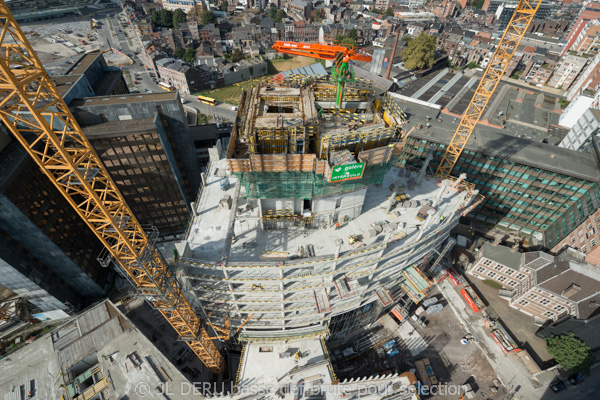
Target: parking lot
(452, 362)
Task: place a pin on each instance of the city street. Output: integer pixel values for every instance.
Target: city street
(145, 83)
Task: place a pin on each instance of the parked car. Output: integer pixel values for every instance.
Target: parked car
(431, 301)
(436, 308)
(576, 379)
(558, 386)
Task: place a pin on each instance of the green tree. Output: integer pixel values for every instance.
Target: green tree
(190, 55)
(279, 16)
(162, 18)
(320, 14)
(179, 17)
(237, 55)
(179, 53)
(207, 17)
(224, 5)
(570, 352)
(344, 41)
(353, 34)
(272, 12)
(389, 12)
(478, 3)
(472, 65)
(419, 52)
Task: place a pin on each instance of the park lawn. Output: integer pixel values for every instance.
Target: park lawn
(227, 94)
(292, 62)
(231, 94)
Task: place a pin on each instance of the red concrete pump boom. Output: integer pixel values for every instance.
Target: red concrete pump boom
(322, 51)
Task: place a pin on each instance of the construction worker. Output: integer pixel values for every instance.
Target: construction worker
(337, 226)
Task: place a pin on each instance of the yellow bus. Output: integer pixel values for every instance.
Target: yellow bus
(165, 86)
(207, 100)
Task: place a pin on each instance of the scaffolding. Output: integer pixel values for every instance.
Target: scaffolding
(284, 219)
(356, 141)
(415, 284)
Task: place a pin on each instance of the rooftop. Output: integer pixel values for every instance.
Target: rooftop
(120, 128)
(83, 63)
(502, 255)
(315, 69)
(502, 143)
(301, 369)
(64, 83)
(562, 276)
(99, 350)
(527, 113)
(130, 98)
(262, 360)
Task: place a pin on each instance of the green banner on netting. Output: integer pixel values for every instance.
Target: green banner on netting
(347, 172)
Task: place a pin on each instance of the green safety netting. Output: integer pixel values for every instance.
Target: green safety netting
(305, 185)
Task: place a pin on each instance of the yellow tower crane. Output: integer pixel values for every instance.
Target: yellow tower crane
(33, 110)
(513, 34)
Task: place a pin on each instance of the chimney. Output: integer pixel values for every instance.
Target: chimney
(571, 290)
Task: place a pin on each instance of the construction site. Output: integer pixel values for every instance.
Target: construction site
(285, 246)
(307, 233)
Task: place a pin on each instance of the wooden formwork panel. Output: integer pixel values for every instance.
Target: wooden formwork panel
(277, 163)
(379, 155)
(398, 148)
(239, 165)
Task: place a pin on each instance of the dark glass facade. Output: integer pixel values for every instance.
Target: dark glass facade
(33, 193)
(139, 165)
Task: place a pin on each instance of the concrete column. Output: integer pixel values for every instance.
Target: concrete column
(461, 178)
(438, 197)
(424, 227)
(423, 170)
(474, 193)
(338, 247)
(391, 202)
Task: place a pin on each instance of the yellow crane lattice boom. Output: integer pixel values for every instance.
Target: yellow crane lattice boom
(511, 38)
(33, 110)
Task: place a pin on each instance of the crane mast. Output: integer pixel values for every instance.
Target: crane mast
(33, 110)
(522, 17)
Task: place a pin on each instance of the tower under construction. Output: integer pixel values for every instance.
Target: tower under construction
(305, 226)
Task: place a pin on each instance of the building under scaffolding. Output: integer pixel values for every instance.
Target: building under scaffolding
(306, 227)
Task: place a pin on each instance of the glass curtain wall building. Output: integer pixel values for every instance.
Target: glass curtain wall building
(531, 187)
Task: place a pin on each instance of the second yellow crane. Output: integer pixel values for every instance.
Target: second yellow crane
(522, 17)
